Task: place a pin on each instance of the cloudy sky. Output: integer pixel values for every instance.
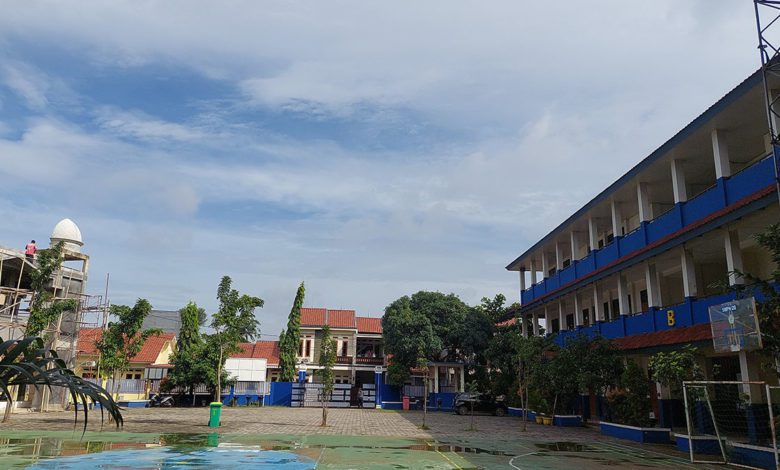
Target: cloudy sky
(372, 149)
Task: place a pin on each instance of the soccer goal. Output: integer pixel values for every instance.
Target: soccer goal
(732, 422)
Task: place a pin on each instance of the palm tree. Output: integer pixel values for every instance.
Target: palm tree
(27, 362)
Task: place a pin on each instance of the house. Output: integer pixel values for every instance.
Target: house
(359, 345)
(646, 258)
(151, 362)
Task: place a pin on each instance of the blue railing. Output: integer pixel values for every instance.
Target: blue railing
(726, 192)
(688, 313)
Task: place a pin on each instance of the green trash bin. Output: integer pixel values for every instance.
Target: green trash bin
(215, 412)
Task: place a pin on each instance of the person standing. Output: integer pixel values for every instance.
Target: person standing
(29, 250)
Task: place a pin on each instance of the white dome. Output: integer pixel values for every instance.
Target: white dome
(68, 232)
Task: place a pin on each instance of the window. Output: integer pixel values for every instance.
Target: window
(605, 308)
(615, 310)
(570, 321)
(344, 348)
(556, 325)
(308, 348)
(586, 317)
(610, 238)
(128, 376)
(300, 348)
(566, 263)
(643, 300)
(601, 243)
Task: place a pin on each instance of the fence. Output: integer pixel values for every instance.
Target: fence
(343, 395)
(731, 422)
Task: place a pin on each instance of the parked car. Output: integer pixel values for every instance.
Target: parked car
(483, 403)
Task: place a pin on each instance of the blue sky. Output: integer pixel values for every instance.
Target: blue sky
(372, 149)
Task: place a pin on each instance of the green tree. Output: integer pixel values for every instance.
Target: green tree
(494, 308)
(327, 361)
(43, 308)
(233, 323)
(672, 368)
(288, 342)
(188, 367)
(408, 336)
(123, 339)
(446, 314)
(631, 406)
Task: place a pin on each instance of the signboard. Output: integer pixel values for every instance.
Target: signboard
(735, 326)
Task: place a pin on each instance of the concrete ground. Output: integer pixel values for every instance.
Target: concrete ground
(378, 436)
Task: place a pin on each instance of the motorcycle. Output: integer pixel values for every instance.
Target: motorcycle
(158, 400)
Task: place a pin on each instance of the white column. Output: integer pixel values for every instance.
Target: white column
(653, 289)
(575, 246)
(462, 380)
(688, 273)
(545, 266)
(522, 280)
(558, 256)
(625, 309)
(578, 320)
(533, 272)
(645, 210)
(617, 219)
(435, 379)
(597, 313)
(749, 371)
(678, 181)
(721, 154)
(593, 234)
(535, 324)
(561, 316)
(733, 257)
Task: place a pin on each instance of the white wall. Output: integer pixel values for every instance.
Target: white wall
(247, 370)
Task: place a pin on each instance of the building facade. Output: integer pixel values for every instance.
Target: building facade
(642, 261)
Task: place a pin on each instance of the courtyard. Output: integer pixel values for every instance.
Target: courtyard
(353, 439)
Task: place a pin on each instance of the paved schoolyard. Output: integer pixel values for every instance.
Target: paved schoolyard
(376, 434)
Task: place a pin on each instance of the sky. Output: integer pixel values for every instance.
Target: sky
(371, 149)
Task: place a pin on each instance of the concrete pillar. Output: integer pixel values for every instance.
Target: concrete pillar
(688, 273)
(435, 379)
(597, 313)
(535, 323)
(625, 309)
(679, 185)
(720, 153)
(575, 245)
(522, 280)
(545, 266)
(462, 379)
(561, 316)
(733, 257)
(578, 320)
(558, 256)
(593, 234)
(533, 272)
(643, 199)
(617, 219)
(653, 288)
(749, 370)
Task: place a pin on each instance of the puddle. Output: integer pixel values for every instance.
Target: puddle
(565, 447)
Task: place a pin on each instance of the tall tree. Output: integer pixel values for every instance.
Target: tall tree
(288, 342)
(233, 323)
(408, 337)
(43, 308)
(327, 361)
(446, 313)
(189, 368)
(123, 339)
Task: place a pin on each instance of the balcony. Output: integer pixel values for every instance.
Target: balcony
(344, 360)
(723, 194)
(370, 361)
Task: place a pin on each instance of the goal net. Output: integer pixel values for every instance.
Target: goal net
(732, 422)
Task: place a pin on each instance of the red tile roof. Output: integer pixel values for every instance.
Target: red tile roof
(369, 325)
(689, 334)
(510, 322)
(341, 318)
(268, 350)
(148, 353)
(334, 318)
(312, 316)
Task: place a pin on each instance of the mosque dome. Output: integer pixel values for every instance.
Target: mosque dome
(68, 232)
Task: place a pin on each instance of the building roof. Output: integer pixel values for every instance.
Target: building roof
(344, 319)
(754, 80)
(268, 350)
(510, 322)
(369, 325)
(149, 352)
(689, 334)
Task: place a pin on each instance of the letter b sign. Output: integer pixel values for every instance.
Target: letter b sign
(670, 317)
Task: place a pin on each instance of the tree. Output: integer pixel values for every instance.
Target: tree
(123, 339)
(494, 308)
(188, 365)
(630, 406)
(27, 362)
(446, 313)
(408, 337)
(233, 323)
(327, 361)
(671, 368)
(289, 341)
(43, 308)
(472, 388)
